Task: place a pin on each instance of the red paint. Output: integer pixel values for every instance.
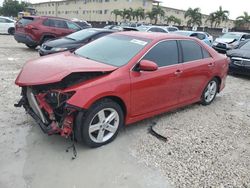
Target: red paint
(144, 93)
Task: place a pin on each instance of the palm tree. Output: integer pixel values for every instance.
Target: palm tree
(242, 20)
(172, 19)
(221, 16)
(194, 16)
(127, 14)
(139, 14)
(150, 15)
(158, 12)
(211, 18)
(117, 13)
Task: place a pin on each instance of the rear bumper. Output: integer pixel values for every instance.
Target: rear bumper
(23, 38)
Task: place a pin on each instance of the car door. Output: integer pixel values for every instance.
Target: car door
(151, 91)
(197, 67)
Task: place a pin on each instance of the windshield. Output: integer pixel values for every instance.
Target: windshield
(81, 35)
(246, 46)
(116, 50)
(231, 36)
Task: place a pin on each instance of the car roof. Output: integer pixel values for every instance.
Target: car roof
(6, 17)
(101, 30)
(238, 33)
(45, 17)
(190, 32)
(153, 35)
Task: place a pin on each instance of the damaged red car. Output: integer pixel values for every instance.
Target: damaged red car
(117, 80)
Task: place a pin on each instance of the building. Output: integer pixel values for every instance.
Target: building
(101, 10)
(90, 10)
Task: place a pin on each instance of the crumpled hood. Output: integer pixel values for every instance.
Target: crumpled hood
(224, 40)
(53, 68)
(239, 53)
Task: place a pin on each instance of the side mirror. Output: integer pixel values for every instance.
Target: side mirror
(242, 39)
(146, 65)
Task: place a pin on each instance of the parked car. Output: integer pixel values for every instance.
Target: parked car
(152, 29)
(117, 80)
(210, 37)
(83, 24)
(240, 59)
(72, 41)
(229, 41)
(109, 26)
(197, 34)
(7, 25)
(35, 30)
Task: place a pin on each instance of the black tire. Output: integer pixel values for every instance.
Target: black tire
(11, 31)
(45, 39)
(84, 119)
(31, 46)
(204, 98)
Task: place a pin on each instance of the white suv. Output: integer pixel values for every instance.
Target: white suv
(7, 25)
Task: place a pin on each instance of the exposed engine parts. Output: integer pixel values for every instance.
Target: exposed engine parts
(50, 110)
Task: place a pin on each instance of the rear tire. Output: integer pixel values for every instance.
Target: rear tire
(210, 92)
(45, 39)
(31, 46)
(100, 124)
(11, 31)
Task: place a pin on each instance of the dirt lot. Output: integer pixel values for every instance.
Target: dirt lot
(206, 147)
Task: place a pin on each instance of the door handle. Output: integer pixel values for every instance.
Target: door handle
(211, 64)
(178, 72)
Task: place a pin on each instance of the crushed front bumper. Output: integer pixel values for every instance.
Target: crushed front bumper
(41, 111)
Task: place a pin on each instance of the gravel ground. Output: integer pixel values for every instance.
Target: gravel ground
(208, 146)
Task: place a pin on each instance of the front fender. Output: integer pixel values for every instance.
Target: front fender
(85, 97)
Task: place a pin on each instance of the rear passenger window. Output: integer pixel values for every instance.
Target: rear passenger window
(163, 54)
(191, 51)
(205, 53)
(55, 23)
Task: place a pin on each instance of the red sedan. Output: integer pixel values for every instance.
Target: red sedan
(117, 80)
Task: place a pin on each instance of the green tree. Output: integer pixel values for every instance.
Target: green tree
(221, 16)
(157, 11)
(139, 14)
(242, 20)
(194, 17)
(12, 7)
(127, 14)
(150, 15)
(211, 18)
(172, 19)
(117, 13)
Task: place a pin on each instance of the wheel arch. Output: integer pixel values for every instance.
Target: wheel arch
(49, 35)
(116, 99)
(219, 81)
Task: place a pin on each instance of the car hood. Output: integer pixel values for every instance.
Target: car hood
(62, 42)
(53, 68)
(225, 40)
(239, 53)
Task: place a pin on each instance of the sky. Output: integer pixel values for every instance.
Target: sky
(236, 8)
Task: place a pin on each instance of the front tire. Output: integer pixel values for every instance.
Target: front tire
(210, 92)
(100, 124)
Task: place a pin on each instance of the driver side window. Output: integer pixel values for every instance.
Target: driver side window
(164, 53)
